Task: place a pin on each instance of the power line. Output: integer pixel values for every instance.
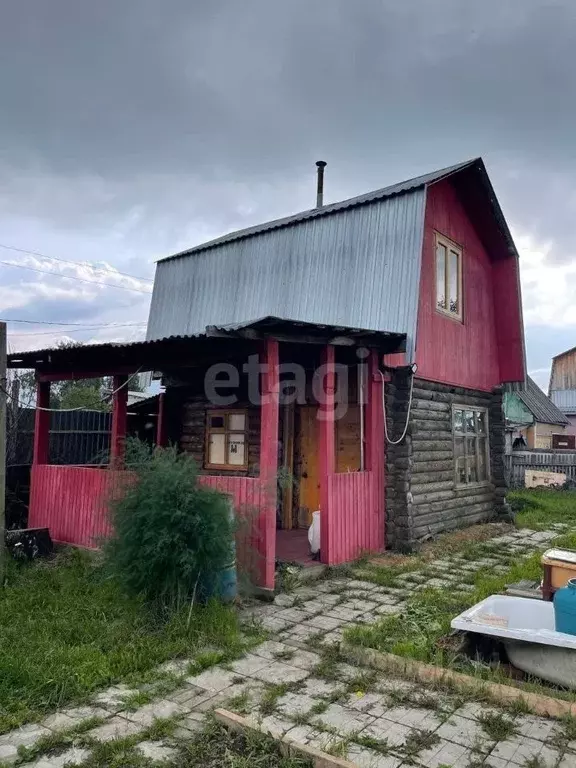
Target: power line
(74, 330)
(77, 263)
(51, 322)
(69, 277)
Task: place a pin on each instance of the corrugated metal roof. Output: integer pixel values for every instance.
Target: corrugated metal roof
(540, 405)
(358, 269)
(368, 197)
(564, 400)
(268, 325)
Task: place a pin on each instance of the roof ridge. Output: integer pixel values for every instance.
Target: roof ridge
(366, 197)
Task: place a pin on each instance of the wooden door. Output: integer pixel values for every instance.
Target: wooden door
(309, 468)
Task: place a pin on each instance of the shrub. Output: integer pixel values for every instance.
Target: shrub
(170, 532)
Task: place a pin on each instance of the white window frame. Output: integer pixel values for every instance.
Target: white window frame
(467, 435)
(228, 433)
(453, 247)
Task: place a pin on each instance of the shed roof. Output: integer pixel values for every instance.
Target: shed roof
(149, 355)
(409, 185)
(540, 405)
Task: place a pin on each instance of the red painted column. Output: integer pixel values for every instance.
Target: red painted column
(119, 420)
(42, 424)
(375, 448)
(161, 433)
(327, 446)
(268, 462)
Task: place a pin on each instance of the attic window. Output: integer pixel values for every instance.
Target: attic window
(448, 277)
(226, 444)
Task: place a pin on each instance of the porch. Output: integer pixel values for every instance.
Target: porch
(337, 469)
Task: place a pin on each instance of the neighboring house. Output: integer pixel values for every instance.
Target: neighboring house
(563, 386)
(533, 418)
(409, 294)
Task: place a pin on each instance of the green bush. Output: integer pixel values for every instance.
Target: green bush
(170, 532)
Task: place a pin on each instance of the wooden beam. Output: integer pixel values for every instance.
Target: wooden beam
(327, 448)
(161, 431)
(42, 424)
(318, 758)
(269, 461)
(119, 421)
(288, 440)
(91, 374)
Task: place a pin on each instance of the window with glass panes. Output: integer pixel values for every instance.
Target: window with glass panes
(471, 456)
(448, 277)
(226, 444)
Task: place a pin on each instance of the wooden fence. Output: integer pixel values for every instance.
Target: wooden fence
(542, 460)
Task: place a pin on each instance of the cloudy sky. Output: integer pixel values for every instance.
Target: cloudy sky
(129, 130)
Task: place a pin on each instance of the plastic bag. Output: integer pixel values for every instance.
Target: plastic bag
(314, 533)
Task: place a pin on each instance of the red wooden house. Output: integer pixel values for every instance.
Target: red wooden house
(386, 328)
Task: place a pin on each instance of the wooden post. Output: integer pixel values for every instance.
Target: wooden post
(161, 431)
(119, 419)
(327, 447)
(375, 449)
(42, 424)
(3, 385)
(269, 462)
(288, 491)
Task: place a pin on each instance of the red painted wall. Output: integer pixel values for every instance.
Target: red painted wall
(71, 502)
(470, 353)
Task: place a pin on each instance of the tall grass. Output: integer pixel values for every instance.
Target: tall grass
(538, 508)
(68, 629)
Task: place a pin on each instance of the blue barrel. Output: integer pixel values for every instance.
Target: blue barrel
(222, 585)
(565, 608)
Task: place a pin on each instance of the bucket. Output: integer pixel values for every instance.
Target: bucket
(565, 608)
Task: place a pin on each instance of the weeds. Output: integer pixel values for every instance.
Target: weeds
(67, 630)
(216, 747)
(497, 726)
(419, 740)
(239, 703)
(271, 695)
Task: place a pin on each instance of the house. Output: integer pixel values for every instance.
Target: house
(562, 389)
(360, 349)
(533, 420)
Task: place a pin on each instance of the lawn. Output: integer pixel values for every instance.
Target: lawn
(67, 630)
(423, 631)
(538, 508)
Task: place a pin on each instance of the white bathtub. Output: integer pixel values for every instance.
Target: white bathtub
(526, 627)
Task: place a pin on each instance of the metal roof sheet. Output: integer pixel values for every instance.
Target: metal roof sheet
(540, 405)
(368, 197)
(564, 400)
(265, 325)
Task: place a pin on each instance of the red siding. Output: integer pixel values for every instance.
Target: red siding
(464, 353)
(509, 323)
(71, 502)
(354, 523)
(352, 519)
(247, 495)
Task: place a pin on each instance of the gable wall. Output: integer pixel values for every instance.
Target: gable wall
(463, 353)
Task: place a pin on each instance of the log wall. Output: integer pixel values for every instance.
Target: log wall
(422, 499)
(193, 435)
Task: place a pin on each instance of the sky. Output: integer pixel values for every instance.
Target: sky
(131, 130)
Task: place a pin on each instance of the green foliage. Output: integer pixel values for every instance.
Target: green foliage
(67, 629)
(538, 508)
(170, 532)
(422, 631)
(218, 747)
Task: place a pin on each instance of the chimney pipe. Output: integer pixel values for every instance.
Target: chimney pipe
(320, 188)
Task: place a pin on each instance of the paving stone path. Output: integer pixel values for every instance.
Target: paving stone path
(289, 689)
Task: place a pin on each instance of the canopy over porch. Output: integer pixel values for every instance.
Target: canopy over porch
(71, 500)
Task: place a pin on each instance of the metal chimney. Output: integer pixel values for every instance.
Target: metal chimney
(320, 188)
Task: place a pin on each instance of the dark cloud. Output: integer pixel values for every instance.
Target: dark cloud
(133, 129)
